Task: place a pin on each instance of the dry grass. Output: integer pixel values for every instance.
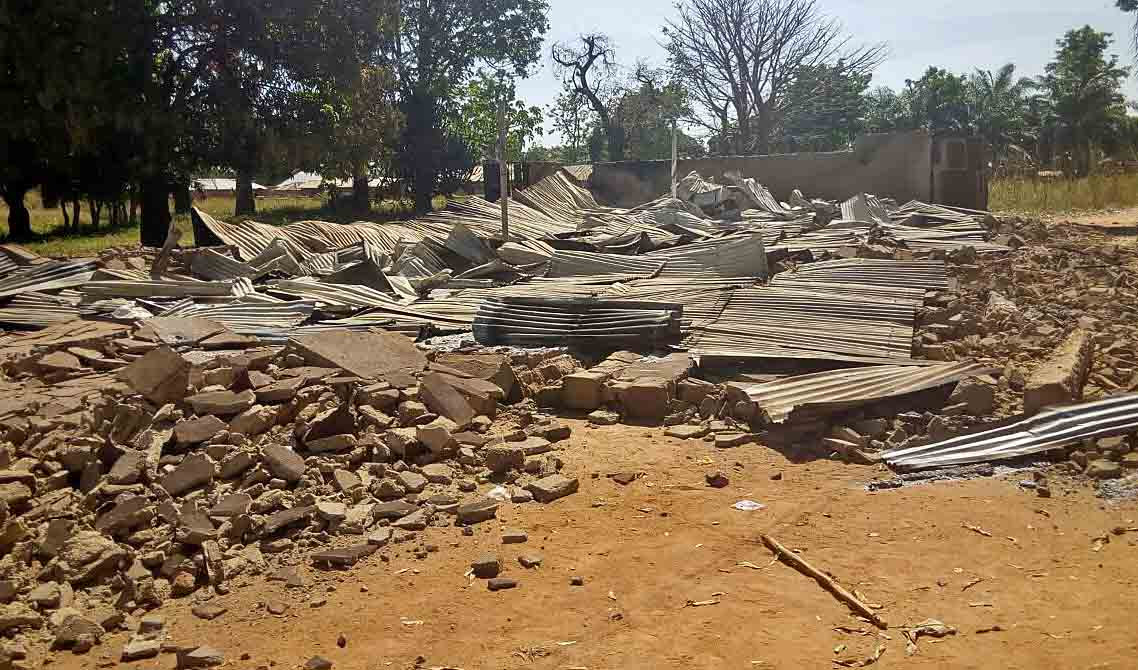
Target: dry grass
(1063, 195)
(53, 240)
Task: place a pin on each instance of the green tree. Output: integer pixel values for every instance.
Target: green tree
(825, 109)
(999, 104)
(435, 50)
(574, 118)
(937, 102)
(364, 124)
(649, 104)
(477, 119)
(1084, 85)
(70, 75)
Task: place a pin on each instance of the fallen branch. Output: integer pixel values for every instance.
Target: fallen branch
(798, 563)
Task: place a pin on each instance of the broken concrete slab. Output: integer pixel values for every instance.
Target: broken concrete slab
(194, 471)
(477, 511)
(366, 354)
(283, 462)
(482, 395)
(687, 432)
(183, 331)
(494, 368)
(285, 518)
(279, 391)
(1060, 379)
(197, 430)
(445, 400)
(345, 556)
(222, 403)
(332, 443)
(548, 489)
(162, 376)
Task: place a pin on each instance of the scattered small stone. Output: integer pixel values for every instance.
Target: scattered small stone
(342, 641)
(513, 536)
(576, 580)
(486, 566)
(501, 583)
(317, 602)
(277, 608)
(208, 611)
(530, 560)
(318, 663)
(716, 479)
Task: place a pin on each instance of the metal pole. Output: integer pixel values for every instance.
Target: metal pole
(503, 166)
(673, 159)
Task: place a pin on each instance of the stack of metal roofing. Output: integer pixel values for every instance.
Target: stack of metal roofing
(924, 275)
(555, 322)
(776, 322)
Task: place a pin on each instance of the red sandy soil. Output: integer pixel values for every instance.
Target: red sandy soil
(645, 550)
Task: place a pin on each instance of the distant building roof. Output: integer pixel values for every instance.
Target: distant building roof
(221, 184)
(309, 181)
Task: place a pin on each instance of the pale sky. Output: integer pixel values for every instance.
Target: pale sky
(959, 35)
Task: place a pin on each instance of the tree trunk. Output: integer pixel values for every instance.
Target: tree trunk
(96, 209)
(360, 197)
(135, 199)
(423, 193)
(246, 203)
(154, 197)
(75, 210)
(182, 199)
(66, 217)
(19, 219)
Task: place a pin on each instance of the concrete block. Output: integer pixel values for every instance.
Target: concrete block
(1060, 379)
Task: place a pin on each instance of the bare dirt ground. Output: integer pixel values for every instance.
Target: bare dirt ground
(646, 549)
(1121, 218)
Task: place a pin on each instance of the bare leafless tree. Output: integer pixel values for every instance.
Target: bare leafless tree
(740, 57)
(588, 68)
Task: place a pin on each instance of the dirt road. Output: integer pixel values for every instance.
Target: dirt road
(646, 549)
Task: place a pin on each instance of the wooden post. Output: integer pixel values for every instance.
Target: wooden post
(673, 159)
(503, 167)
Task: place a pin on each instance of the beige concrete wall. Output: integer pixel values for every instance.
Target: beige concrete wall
(896, 165)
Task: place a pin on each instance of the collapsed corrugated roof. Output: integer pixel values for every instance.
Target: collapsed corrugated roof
(1050, 429)
(812, 395)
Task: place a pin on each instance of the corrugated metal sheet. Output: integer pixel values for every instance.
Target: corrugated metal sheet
(742, 255)
(566, 263)
(164, 288)
(48, 276)
(38, 310)
(267, 320)
(822, 393)
(923, 275)
(1050, 429)
(775, 322)
(553, 322)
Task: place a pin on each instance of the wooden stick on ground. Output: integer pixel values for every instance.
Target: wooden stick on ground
(800, 564)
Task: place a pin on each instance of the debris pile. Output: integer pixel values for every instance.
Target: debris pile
(183, 466)
(174, 420)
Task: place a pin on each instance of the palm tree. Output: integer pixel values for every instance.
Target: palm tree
(1000, 105)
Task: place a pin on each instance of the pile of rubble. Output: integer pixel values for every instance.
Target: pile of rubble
(204, 456)
(177, 420)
